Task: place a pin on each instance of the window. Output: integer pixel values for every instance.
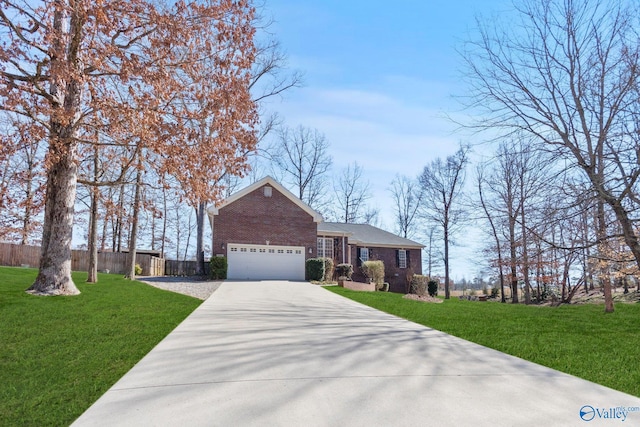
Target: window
(267, 191)
(234, 249)
(364, 254)
(263, 251)
(325, 247)
(402, 258)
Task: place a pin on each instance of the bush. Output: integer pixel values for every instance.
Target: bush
(319, 269)
(218, 270)
(432, 288)
(419, 284)
(328, 270)
(494, 292)
(344, 270)
(374, 270)
(384, 287)
(138, 269)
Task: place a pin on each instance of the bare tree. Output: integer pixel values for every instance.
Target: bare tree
(430, 236)
(490, 216)
(61, 61)
(442, 183)
(301, 156)
(21, 183)
(568, 74)
(351, 195)
(407, 199)
(511, 194)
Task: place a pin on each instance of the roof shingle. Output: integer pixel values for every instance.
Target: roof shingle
(366, 235)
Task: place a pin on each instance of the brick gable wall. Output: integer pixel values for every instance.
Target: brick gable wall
(255, 218)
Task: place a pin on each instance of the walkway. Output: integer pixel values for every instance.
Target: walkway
(294, 354)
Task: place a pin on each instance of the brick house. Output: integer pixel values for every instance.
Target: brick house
(266, 232)
(356, 243)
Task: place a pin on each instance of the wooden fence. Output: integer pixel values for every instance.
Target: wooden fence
(183, 268)
(115, 262)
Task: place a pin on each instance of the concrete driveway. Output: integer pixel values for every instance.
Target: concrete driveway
(293, 354)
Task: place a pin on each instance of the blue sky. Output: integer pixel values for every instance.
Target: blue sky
(380, 77)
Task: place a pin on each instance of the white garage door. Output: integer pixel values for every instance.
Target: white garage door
(261, 262)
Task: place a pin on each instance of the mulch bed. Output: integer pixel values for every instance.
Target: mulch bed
(423, 298)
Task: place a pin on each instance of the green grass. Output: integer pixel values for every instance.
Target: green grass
(60, 354)
(577, 339)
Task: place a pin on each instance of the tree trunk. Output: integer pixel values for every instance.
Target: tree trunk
(186, 246)
(628, 231)
(103, 238)
(430, 263)
(602, 227)
(153, 232)
(28, 205)
(165, 214)
(134, 226)
(513, 260)
(54, 275)
(92, 273)
(538, 272)
(494, 231)
(525, 252)
(603, 276)
(447, 293)
(200, 239)
(119, 221)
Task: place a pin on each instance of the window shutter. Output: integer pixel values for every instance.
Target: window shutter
(358, 260)
(397, 258)
(408, 258)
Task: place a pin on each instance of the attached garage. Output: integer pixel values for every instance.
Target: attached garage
(265, 262)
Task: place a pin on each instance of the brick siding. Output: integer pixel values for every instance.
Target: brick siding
(255, 218)
(398, 278)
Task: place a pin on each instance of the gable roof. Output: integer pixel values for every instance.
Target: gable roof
(366, 235)
(214, 209)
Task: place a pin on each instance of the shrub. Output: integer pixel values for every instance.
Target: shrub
(344, 270)
(218, 270)
(138, 269)
(374, 270)
(383, 287)
(419, 284)
(432, 288)
(494, 292)
(314, 269)
(319, 269)
(328, 270)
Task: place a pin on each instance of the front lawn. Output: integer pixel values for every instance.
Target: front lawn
(60, 354)
(577, 339)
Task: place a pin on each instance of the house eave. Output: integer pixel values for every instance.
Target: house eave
(333, 234)
(384, 245)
